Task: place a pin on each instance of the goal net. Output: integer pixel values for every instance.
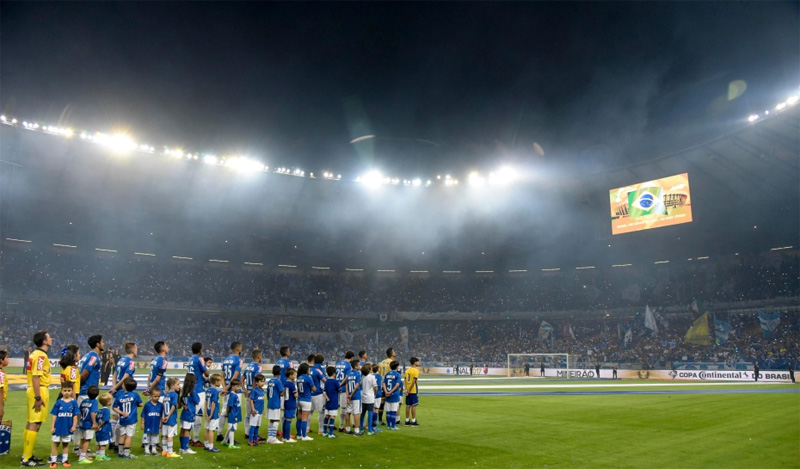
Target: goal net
(555, 364)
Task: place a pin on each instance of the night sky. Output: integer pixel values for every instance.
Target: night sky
(442, 85)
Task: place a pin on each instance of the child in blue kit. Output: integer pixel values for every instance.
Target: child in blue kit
(212, 411)
(274, 392)
(233, 412)
(256, 400)
(289, 405)
(88, 422)
(189, 401)
(65, 421)
(169, 418)
(378, 396)
(125, 405)
(151, 422)
(103, 433)
(332, 386)
(305, 386)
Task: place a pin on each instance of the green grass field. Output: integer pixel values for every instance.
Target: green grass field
(690, 426)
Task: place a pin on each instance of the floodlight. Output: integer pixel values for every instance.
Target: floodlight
(13, 121)
(792, 100)
(371, 179)
(210, 159)
(780, 106)
(2, 118)
(752, 118)
(503, 176)
(475, 179)
(244, 165)
(120, 143)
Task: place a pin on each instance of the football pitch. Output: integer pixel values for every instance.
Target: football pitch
(501, 422)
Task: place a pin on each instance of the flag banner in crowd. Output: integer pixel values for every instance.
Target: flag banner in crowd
(721, 330)
(545, 331)
(566, 330)
(650, 320)
(699, 334)
(769, 322)
(694, 308)
(627, 338)
(404, 337)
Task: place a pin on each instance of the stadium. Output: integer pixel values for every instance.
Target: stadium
(554, 329)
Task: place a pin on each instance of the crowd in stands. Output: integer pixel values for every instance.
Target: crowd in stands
(164, 301)
(438, 342)
(192, 284)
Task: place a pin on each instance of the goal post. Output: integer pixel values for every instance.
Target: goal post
(517, 361)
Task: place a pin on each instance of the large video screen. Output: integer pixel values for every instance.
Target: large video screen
(651, 204)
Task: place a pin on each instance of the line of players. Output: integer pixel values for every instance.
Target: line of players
(361, 388)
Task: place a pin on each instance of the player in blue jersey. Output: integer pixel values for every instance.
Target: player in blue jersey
(317, 373)
(152, 412)
(353, 389)
(250, 371)
(233, 412)
(169, 418)
(378, 397)
(125, 369)
(284, 363)
(231, 369)
(256, 398)
(331, 401)
(289, 406)
(125, 405)
(88, 421)
(89, 367)
(103, 434)
(65, 422)
(158, 366)
(362, 358)
(197, 366)
(343, 369)
(212, 411)
(391, 392)
(274, 393)
(189, 401)
(305, 387)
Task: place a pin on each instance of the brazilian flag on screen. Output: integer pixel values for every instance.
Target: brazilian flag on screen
(648, 199)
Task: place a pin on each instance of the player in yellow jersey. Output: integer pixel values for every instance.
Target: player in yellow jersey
(383, 368)
(412, 393)
(3, 383)
(37, 371)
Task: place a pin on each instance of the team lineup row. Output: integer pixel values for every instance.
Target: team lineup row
(360, 392)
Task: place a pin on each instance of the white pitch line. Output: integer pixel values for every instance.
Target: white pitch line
(425, 387)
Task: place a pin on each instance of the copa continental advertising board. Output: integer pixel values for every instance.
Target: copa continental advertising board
(651, 204)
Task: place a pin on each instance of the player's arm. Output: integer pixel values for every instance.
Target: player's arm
(84, 375)
(159, 373)
(235, 375)
(94, 420)
(252, 406)
(37, 397)
(74, 423)
(119, 410)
